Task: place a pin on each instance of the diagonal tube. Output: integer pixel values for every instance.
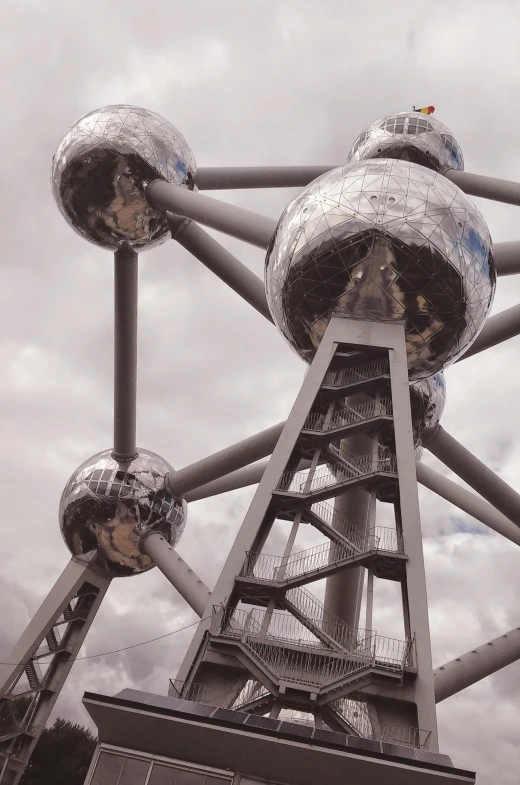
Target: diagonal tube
(475, 473)
(249, 286)
(214, 178)
(462, 672)
(242, 224)
(507, 257)
(241, 478)
(468, 502)
(486, 187)
(125, 353)
(208, 251)
(219, 464)
(496, 330)
(175, 569)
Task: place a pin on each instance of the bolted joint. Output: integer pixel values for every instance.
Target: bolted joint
(177, 225)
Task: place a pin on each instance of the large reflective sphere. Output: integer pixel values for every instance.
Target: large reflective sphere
(427, 400)
(101, 166)
(106, 504)
(409, 136)
(384, 240)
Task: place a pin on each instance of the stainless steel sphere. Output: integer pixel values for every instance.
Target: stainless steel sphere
(106, 504)
(409, 136)
(386, 240)
(100, 170)
(427, 401)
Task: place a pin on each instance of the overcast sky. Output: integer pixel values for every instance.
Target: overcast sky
(254, 82)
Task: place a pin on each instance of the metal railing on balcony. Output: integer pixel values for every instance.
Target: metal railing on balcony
(222, 697)
(405, 736)
(264, 633)
(363, 372)
(357, 715)
(348, 415)
(277, 568)
(198, 693)
(349, 467)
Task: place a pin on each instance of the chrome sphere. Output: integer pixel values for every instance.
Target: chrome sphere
(427, 401)
(384, 240)
(101, 168)
(106, 505)
(409, 136)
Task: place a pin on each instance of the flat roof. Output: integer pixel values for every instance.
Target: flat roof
(260, 746)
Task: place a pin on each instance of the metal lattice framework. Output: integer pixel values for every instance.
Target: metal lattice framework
(265, 643)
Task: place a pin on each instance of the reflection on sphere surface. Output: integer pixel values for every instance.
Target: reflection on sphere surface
(383, 240)
(103, 503)
(427, 401)
(409, 136)
(101, 168)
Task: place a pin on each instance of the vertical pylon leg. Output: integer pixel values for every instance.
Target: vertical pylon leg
(292, 651)
(35, 671)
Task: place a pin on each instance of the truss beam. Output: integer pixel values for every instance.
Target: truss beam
(242, 224)
(35, 671)
(310, 647)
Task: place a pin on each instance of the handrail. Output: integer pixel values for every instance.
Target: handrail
(348, 467)
(348, 415)
(367, 648)
(278, 568)
(363, 372)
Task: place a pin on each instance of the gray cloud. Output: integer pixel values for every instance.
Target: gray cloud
(266, 82)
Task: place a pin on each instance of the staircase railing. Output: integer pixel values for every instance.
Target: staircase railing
(357, 715)
(366, 647)
(277, 568)
(368, 370)
(348, 415)
(346, 468)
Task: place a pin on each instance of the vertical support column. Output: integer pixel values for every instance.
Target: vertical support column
(125, 353)
(415, 598)
(343, 591)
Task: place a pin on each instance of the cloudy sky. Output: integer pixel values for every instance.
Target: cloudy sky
(261, 82)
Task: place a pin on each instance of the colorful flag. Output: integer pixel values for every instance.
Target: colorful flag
(425, 110)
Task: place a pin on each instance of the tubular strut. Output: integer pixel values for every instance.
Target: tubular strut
(462, 672)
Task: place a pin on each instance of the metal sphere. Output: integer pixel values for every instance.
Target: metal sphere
(384, 240)
(427, 401)
(106, 505)
(409, 136)
(101, 168)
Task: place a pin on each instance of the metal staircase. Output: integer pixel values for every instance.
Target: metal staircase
(271, 643)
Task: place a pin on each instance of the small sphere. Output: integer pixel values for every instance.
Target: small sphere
(409, 136)
(101, 169)
(384, 240)
(106, 505)
(427, 401)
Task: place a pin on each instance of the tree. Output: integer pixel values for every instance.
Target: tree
(62, 755)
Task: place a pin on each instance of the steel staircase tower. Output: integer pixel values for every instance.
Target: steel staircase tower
(266, 643)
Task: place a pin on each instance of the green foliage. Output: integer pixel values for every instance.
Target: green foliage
(62, 755)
